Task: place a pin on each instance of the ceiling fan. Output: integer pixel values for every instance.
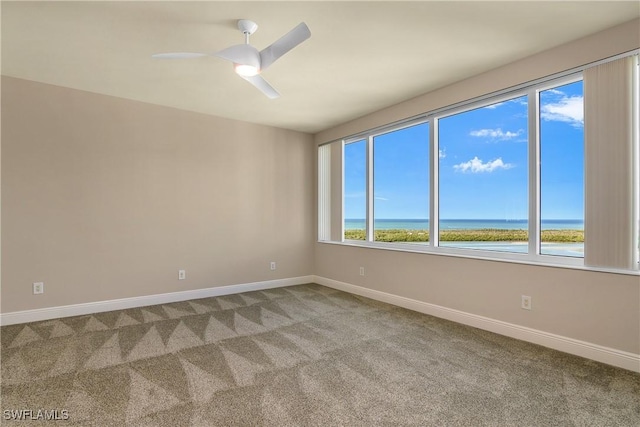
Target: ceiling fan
(247, 61)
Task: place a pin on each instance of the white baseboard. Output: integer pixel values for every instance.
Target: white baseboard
(610, 356)
(119, 304)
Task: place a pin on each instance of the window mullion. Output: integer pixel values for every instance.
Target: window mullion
(370, 172)
(534, 171)
(434, 216)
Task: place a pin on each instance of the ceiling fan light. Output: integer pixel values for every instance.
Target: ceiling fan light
(246, 70)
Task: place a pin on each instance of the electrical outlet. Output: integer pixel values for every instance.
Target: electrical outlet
(182, 274)
(526, 302)
(273, 265)
(362, 271)
(38, 288)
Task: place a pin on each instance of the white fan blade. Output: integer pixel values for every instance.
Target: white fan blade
(261, 83)
(284, 44)
(178, 55)
(242, 54)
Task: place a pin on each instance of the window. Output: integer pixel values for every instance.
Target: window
(401, 185)
(483, 177)
(505, 177)
(355, 190)
(562, 170)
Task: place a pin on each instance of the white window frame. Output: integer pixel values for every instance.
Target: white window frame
(533, 162)
(636, 152)
(536, 167)
(436, 196)
(367, 196)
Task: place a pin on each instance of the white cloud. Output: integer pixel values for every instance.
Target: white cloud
(476, 165)
(566, 109)
(381, 198)
(495, 133)
(442, 153)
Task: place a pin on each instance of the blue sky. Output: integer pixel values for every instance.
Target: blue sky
(483, 164)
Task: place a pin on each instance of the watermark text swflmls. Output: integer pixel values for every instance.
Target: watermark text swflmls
(35, 414)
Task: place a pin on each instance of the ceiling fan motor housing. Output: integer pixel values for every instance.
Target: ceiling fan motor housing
(247, 26)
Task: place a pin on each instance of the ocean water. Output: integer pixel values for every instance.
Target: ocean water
(464, 224)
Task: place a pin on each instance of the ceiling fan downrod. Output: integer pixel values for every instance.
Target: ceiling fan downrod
(247, 27)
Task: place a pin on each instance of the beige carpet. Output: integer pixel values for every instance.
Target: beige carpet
(302, 355)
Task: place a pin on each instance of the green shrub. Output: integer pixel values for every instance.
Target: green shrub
(481, 235)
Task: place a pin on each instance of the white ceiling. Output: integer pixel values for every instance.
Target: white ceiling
(361, 57)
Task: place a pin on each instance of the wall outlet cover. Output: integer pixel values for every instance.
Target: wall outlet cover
(38, 288)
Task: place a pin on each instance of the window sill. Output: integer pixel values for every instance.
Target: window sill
(516, 258)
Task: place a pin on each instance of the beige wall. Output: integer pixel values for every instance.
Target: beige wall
(599, 308)
(106, 198)
(595, 307)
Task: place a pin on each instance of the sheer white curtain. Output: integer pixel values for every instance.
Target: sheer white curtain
(609, 173)
(324, 192)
